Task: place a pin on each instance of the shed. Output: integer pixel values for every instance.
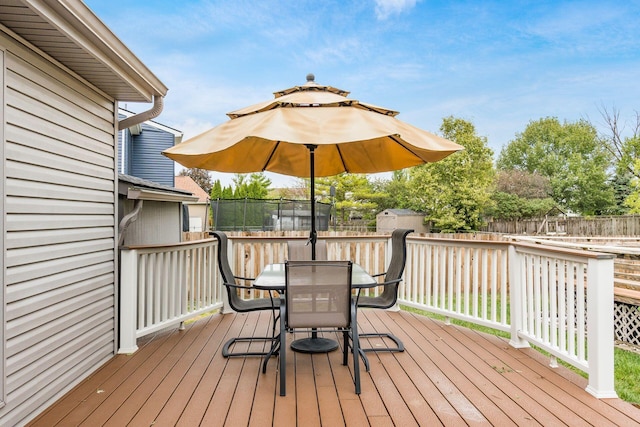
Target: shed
(390, 219)
(62, 74)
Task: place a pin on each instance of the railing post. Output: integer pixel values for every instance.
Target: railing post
(600, 336)
(128, 300)
(515, 297)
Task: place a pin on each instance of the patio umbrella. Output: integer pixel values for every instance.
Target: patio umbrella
(311, 131)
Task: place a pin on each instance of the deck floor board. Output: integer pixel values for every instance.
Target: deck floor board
(448, 375)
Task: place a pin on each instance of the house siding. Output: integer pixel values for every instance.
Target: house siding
(60, 231)
(143, 155)
(159, 223)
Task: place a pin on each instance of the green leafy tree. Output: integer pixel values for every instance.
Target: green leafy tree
(520, 194)
(200, 176)
(571, 156)
(355, 196)
(216, 190)
(251, 186)
(394, 192)
(455, 191)
(633, 200)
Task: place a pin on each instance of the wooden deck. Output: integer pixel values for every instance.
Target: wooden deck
(448, 375)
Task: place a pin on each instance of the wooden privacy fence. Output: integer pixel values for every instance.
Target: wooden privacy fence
(623, 225)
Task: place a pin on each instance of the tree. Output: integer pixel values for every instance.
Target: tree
(200, 176)
(523, 184)
(255, 187)
(633, 200)
(455, 191)
(354, 195)
(571, 156)
(624, 149)
(520, 194)
(394, 192)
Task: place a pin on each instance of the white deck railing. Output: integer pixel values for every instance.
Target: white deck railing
(162, 286)
(559, 300)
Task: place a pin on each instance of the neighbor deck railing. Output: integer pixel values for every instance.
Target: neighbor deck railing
(560, 300)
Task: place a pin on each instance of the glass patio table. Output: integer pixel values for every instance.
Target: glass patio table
(272, 278)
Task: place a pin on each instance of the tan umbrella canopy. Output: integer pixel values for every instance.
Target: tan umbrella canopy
(347, 135)
(308, 131)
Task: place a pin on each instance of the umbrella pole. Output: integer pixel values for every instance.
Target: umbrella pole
(314, 344)
(313, 236)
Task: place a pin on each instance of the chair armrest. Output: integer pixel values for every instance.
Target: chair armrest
(233, 285)
(375, 285)
(245, 278)
(379, 274)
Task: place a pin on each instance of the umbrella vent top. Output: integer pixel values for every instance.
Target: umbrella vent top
(311, 94)
(310, 86)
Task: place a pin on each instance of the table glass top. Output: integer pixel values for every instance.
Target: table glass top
(272, 277)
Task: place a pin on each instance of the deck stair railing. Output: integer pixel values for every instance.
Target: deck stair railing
(558, 299)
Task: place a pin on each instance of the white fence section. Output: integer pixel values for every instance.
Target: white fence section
(461, 279)
(161, 286)
(560, 300)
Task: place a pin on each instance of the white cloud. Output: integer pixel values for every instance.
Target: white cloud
(386, 8)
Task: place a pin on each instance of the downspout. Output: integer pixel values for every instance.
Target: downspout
(158, 103)
(128, 219)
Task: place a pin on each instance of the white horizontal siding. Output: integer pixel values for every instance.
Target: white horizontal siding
(59, 200)
(23, 273)
(50, 320)
(33, 221)
(24, 239)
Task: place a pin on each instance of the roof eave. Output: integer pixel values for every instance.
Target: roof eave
(79, 24)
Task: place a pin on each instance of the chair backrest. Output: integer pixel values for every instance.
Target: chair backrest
(223, 259)
(389, 295)
(398, 254)
(235, 302)
(300, 250)
(318, 294)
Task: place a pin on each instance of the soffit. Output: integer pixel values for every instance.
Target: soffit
(69, 32)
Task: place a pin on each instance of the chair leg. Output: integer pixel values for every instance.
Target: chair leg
(275, 348)
(345, 347)
(364, 357)
(226, 349)
(355, 344)
(399, 347)
(283, 351)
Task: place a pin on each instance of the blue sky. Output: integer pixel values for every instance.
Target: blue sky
(498, 64)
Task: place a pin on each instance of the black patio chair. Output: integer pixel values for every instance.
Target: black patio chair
(318, 297)
(240, 305)
(389, 295)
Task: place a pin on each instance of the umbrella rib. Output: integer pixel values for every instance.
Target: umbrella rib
(275, 147)
(344, 165)
(401, 143)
